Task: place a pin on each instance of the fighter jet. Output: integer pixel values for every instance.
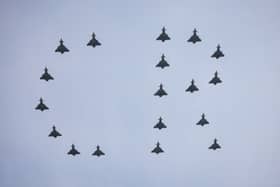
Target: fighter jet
(163, 36)
(157, 149)
(61, 48)
(215, 80)
(93, 42)
(54, 133)
(192, 88)
(46, 76)
(73, 151)
(218, 53)
(41, 106)
(162, 63)
(160, 125)
(98, 152)
(202, 121)
(161, 92)
(194, 38)
(215, 145)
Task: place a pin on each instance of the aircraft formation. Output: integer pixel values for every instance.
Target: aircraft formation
(73, 151)
(191, 88)
(93, 42)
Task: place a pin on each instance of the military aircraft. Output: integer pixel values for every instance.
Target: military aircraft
(215, 145)
(98, 152)
(218, 53)
(61, 48)
(215, 80)
(54, 133)
(157, 149)
(161, 92)
(41, 106)
(93, 42)
(73, 151)
(163, 36)
(46, 76)
(194, 38)
(160, 125)
(192, 88)
(202, 121)
(162, 63)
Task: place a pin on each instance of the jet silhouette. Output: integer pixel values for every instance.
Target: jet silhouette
(218, 53)
(192, 88)
(163, 36)
(215, 145)
(73, 151)
(161, 92)
(46, 76)
(98, 152)
(162, 63)
(202, 121)
(54, 133)
(61, 48)
(41, 106)
(157, 149)
(215, 80)
(160, 125)
(194, 38)
(93, 42)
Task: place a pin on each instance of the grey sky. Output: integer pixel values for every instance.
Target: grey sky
(105, 95)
